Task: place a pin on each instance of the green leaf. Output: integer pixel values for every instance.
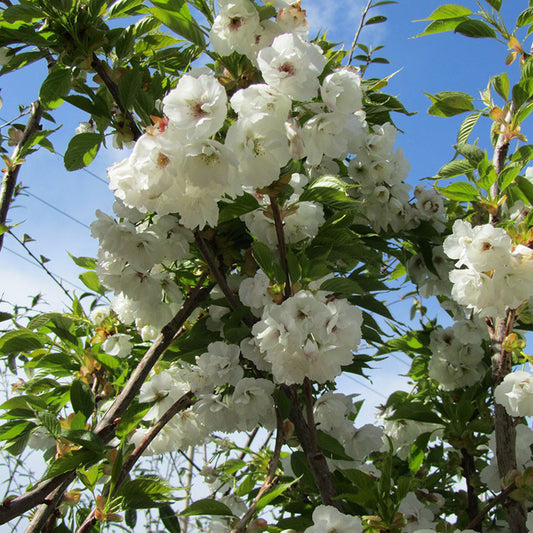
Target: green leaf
(526, 187)
(22, 13)
(525, 18)
(450, 103)
(508, 175)
(460, 191)
(20, 341)
(331, 447)
(90, 280)
(345, 286)
(169, 519)
(440, 26)
(87, 439)
(50, 422)
(449, 11)
(456, 168)
(418, 412)
(207, 507)
(88, 263)
(56, 85)
(82, 398)
(467, 126)
(15, 428)
(501, 85)
(496, 4)
(375, 20)
(180, 22)
(474, 154)
(71, 461)
(476, 29)
(264, 258)
(240, 206)
(129, 86)
(81, 150)
(524, 112)
(273, 494)
(523, 155)
(5, 316)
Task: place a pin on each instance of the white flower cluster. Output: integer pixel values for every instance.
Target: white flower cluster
(457, 355)
(497, 276)
(248, 404)
(308, 335)
(515, 393)
(328, 519)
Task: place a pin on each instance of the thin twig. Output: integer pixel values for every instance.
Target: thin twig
(492, 503)
(9, 122)
(270, 479)
(9, 180)
(282, 245)
(251, 438)
(41, 264)
(364, 13)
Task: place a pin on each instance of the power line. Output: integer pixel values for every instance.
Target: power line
(57, 209)
(38, 266)
(364, 385)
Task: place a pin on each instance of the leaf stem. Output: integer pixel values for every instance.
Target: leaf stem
(364, 13)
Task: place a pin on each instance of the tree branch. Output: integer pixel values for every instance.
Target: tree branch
(315, 458)
(105, 429)
(100, 68)
(270, 479)
(183, 403)
(9, 179)
(495, 501)
(282, 245)
(469, 471)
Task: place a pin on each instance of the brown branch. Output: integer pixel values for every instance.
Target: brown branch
(469, 471)
(270, 479)
(47, 509)
(183, 403)
(100, 67)
(364, 13)
(282, 245)
(315, 458)
(9, 179)
(492, 503)
(105, 429)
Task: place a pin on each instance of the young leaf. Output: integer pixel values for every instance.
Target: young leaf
(525, 18)
(81, 150)
(90, 280)
(450, 103)
(449, 11)
(56, 85)
(460, 191)
(476, 29)
(496, 4)
(456, 168)
(466, 127)
(501, 85)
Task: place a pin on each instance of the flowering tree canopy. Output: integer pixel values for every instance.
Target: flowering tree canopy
(261, 214)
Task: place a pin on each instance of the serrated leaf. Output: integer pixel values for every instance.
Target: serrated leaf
(345, 286)
(88, 263)
(476, 29)
(450, 103)
(460, 191)
(71, 461)
(55, 86)
(501, 85)
(507, 176)
(526, 187)
(180, 22)
(524, 154)
(273, 494)
(50, 422)
(449, 11)
(81, 150)
(20, 341)
(90, 280)
(525, 18)
(524, 112)
(440, 26)
(240, 206)
(418, 412)
(81, 398)
(129, 86)
(466, 127)
(456, 168)
(87, 439)
(14, 428)
(207, 507)
(473, 153)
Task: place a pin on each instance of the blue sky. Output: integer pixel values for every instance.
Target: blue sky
(428, 65)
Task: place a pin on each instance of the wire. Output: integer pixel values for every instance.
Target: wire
(364, 385)
(38, 266)
(57, 209)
